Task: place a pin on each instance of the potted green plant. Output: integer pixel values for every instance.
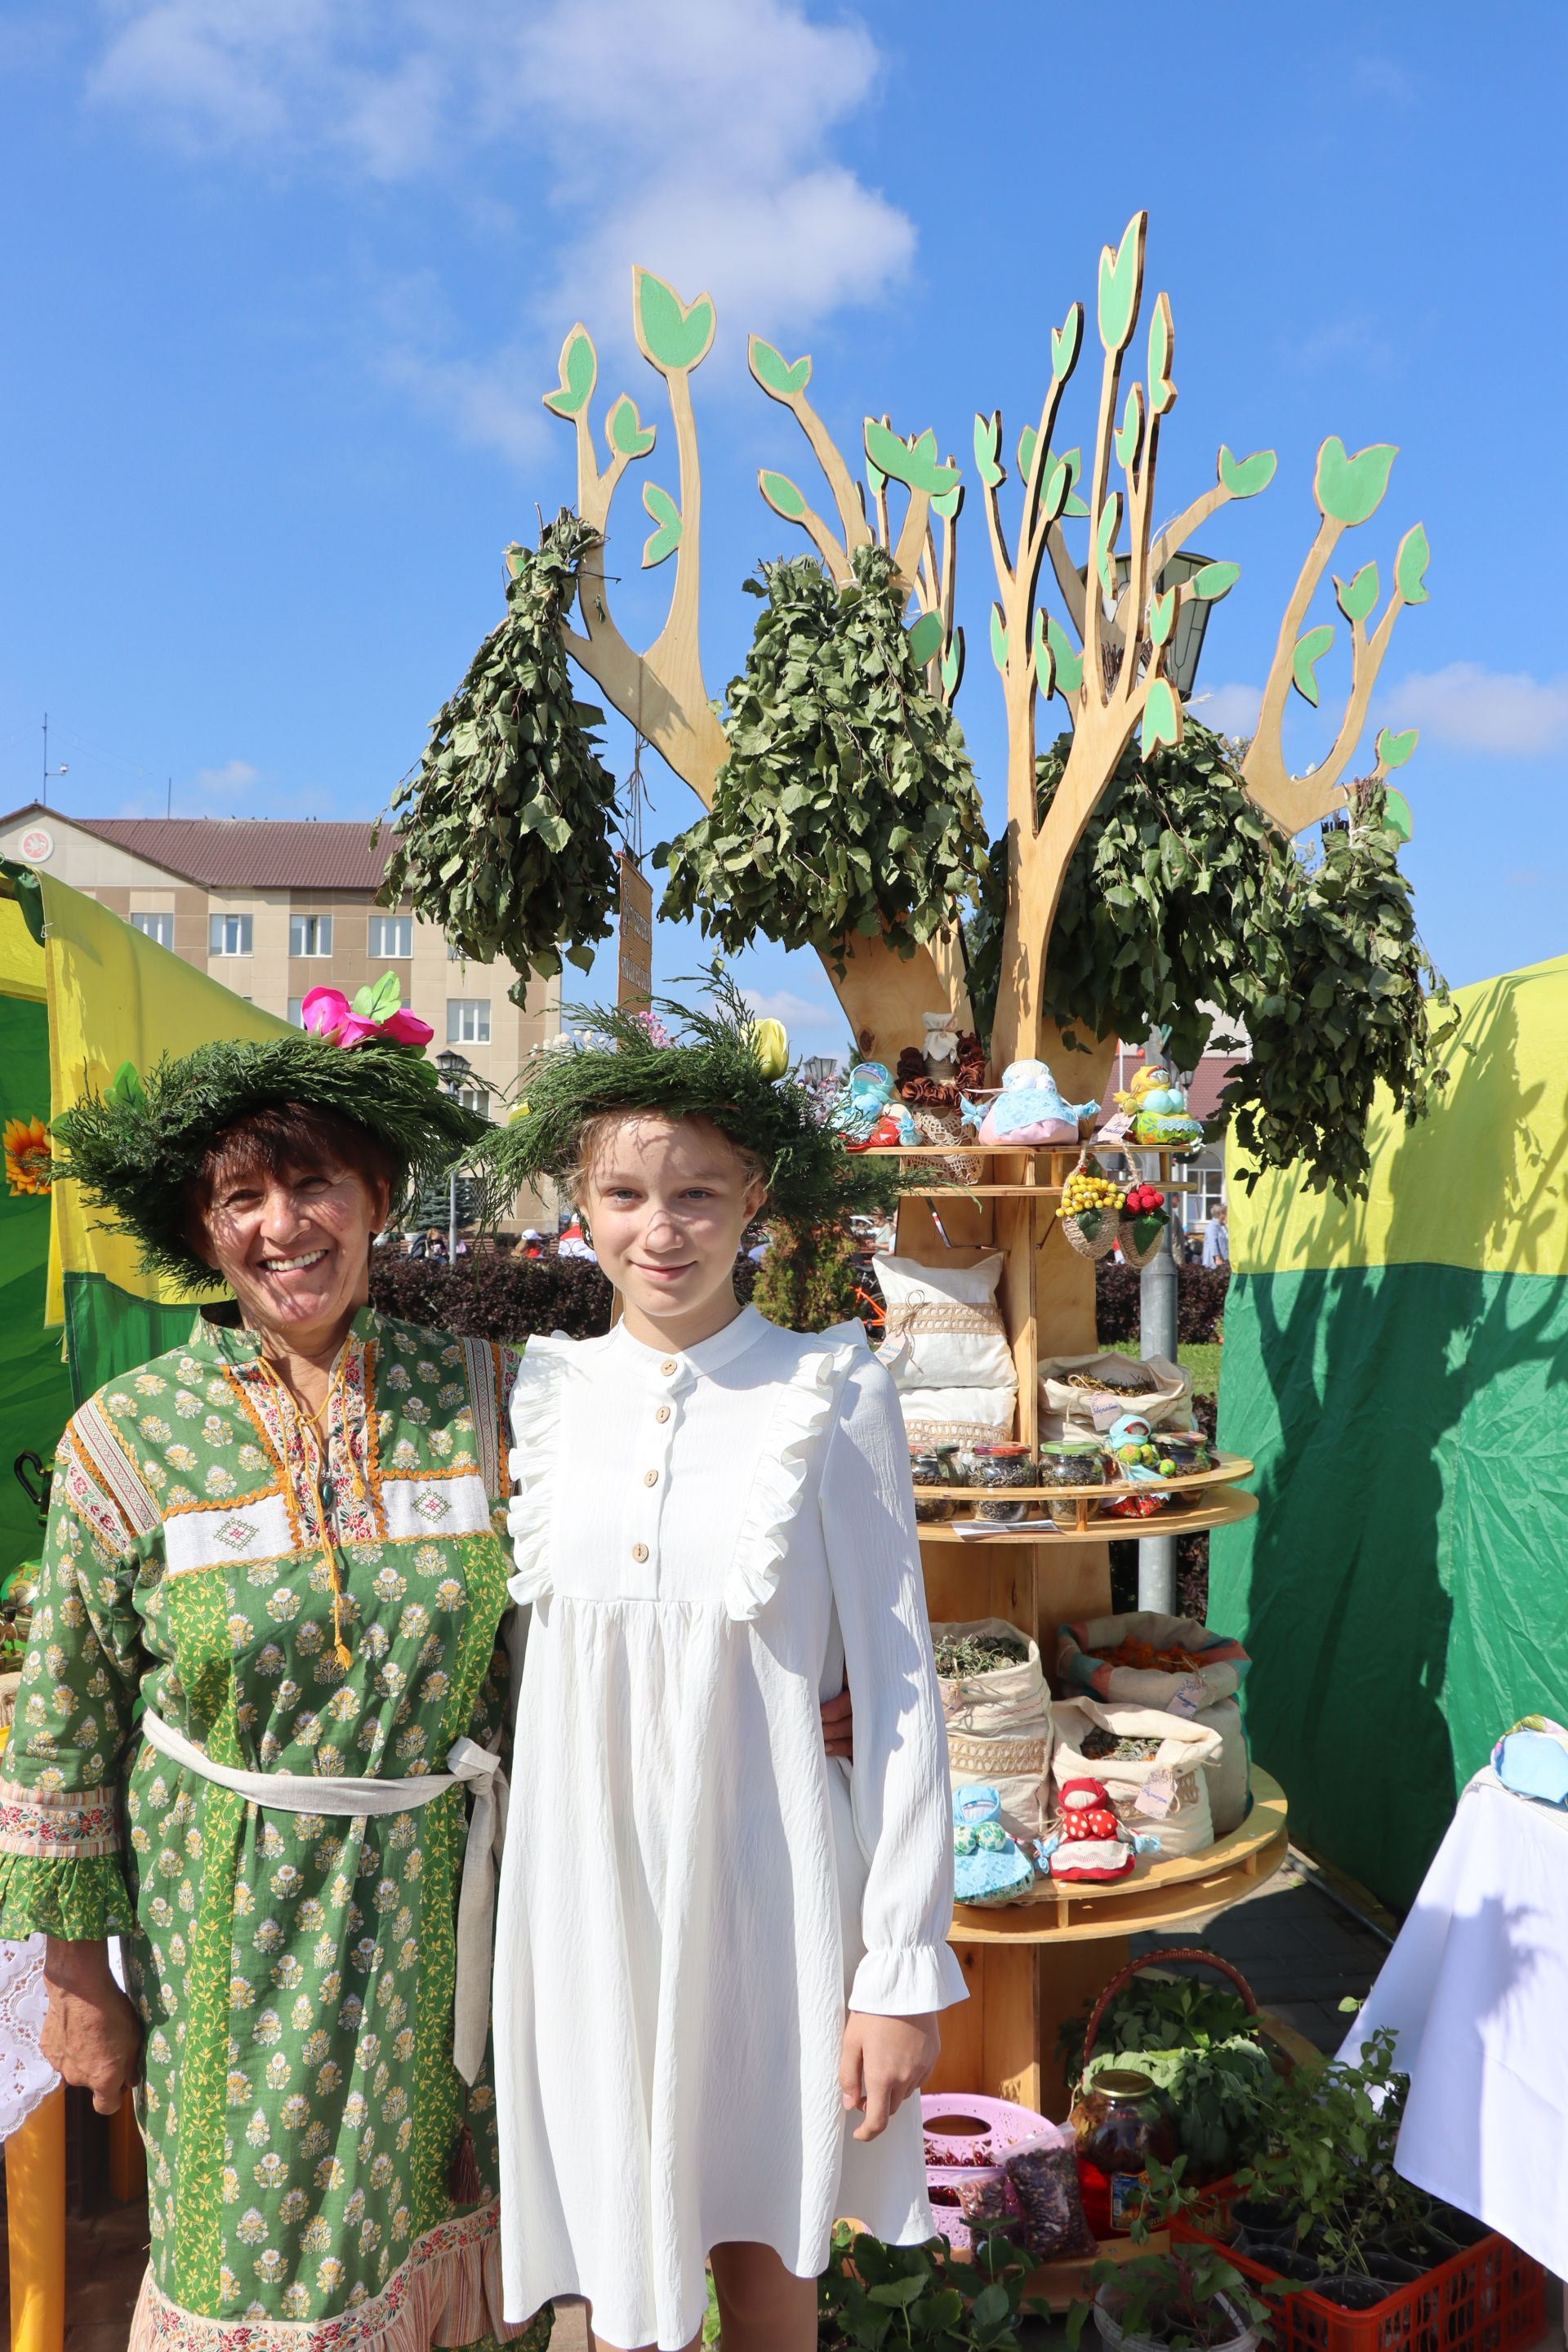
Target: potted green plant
(922, 2298)
(1189, 2299)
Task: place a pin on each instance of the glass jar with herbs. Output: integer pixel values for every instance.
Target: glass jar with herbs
(932, 1467)
(1000, 1470)
(1070, 1462)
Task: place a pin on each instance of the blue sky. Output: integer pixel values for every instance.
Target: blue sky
(283, 286)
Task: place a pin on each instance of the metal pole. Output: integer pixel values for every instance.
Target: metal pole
(452, 1218)
(1157, 1337)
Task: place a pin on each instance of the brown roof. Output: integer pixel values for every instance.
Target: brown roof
(249, 853)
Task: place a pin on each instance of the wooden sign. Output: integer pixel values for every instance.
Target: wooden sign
(634, 984)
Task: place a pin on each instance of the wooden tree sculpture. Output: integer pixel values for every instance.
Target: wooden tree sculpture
(1106, 653)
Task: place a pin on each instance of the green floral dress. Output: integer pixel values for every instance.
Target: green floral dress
(294, 1971)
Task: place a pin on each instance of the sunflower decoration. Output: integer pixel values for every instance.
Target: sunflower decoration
(26, 1143)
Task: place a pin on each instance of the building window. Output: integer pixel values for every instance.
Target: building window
(310, 935)
(228, 935)
(297, 1011)
(391, 936)
(468, 1021)
(455, 955)
(159, 928)
(475, 1098)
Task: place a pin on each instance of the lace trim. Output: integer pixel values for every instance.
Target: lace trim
(446, 2291)
(25, 2078)
(806, 1403)
(536, 1426)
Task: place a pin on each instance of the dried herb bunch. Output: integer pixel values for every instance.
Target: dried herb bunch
(503, 835)
(848, 803)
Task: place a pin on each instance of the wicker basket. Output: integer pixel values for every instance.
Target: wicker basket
(1136, 1254)
(947, 1127)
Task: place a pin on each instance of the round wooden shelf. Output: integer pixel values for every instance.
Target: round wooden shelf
(1159, 1895)
(1224, 1507)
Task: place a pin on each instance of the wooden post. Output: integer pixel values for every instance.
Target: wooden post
(36, 2197)
(127, 2155)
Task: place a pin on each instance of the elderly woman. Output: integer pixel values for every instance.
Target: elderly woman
(264, 1667)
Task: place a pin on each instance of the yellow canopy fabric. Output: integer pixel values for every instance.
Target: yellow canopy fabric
(21, 956)
(114, 996)
(1480, 1183)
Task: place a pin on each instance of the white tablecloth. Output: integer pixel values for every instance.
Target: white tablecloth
(1477, 1990)
(24, 2080)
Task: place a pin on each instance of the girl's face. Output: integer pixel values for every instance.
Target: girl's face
(667, 1201)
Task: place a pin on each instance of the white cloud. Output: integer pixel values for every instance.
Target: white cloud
(1228, 709)
(233, 776)
(795, 1011)
(1508, 713)
(695, 136)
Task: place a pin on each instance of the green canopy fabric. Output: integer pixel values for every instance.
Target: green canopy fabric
(1398, 1369)
(34, 1386)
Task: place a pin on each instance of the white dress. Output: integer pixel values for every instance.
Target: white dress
(692, 1893)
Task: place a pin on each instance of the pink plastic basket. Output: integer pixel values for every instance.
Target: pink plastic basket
(979, 2133)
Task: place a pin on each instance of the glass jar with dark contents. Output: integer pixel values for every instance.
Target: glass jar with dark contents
(1119, 2123)
(997, 1469)
(932, 1467)
(1070, 1462)
(1186, 1450)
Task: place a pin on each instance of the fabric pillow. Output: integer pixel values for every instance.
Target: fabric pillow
(949, 1323)
(958, 1416)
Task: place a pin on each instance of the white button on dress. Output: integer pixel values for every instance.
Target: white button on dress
(691, 1894)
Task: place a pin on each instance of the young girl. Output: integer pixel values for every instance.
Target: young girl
(719, 1956)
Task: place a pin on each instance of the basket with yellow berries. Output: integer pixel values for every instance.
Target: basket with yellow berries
(1091, 1208)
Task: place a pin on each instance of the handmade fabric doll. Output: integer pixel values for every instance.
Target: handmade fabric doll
(1030, 1110)
(1157, 1105)
(869, 1112)
(1089, 1842)
(988, 1866)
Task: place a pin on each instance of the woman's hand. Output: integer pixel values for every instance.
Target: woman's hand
(838, 1725)
(885, 2061)
(92, 2035)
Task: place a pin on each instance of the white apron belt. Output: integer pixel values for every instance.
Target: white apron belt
(338, 1794)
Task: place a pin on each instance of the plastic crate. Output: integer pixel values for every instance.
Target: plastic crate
(1488, 2298)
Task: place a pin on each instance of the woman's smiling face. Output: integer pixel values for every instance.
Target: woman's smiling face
(293, 1244)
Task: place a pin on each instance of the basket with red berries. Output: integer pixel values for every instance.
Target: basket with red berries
(1144, 1217)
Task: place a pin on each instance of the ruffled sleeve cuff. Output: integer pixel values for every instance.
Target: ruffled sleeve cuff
(78, 1901)
(907, 1980)
(536, 1432)
(807, 1403)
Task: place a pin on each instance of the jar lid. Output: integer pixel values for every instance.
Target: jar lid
(1009, 1452)
(1121, 2082)
(1074, 1445)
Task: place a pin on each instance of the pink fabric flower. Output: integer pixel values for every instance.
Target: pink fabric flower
(328, 1014)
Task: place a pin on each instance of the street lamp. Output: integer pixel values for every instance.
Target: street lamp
(455, 1074)
(1192, 618)
(818, 1069)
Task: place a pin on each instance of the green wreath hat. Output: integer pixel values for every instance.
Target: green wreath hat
(136, 1147)
(722, 1064)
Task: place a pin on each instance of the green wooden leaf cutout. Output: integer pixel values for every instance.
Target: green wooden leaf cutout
(916, 466)
(952, 665)
(780, 495)
(673, 334)
(579, 373)
(1073, 504)
(379, 999)
(876, 480)
(1162, 717)
(925, 638)
(1068, 661)
(1215, 581)
(1162, 345)
(1309, 651)
(1119, 274)
(1065, 341)
(1394, 750)
(1045, 661)
(987, 441)
(1053, 498)
(1162, 616)
(947, 506)
(1105, 540)
(666, 515)
(1245, 477)
(1129, 433)
(1355, 598)
(998, 637)
(625, 430)
(1410, 565)
(1348, 488)
(774, 372)
(1027, 439)
(1396, 814)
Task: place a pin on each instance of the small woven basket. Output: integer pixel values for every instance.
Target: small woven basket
(1136, 1252)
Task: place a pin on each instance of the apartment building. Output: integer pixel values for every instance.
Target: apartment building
(275, 906)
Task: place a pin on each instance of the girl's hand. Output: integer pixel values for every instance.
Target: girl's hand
(838, 1725)
(884, 2061)
(91, 2035)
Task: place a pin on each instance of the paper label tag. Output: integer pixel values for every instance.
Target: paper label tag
(1157, 1795)
(1190, 1699)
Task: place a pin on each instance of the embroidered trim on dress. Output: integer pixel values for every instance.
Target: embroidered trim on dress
(481, 1362)
(59, 1825)
(105, 1453)
(536, 1424)
(447, 2290)
(806, 1403)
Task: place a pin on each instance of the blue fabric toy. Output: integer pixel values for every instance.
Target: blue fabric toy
(1030, 1110)
(988, 1865)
